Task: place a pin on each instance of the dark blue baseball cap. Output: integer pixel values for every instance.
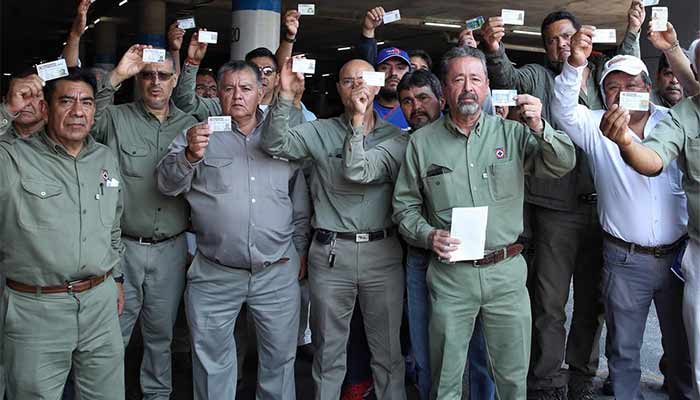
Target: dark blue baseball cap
(391, 52)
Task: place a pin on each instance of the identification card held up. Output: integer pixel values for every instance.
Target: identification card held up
(207, 37)
(501, 97)
(153, 55)
(469, 226)
(659, 19)
(634, 101)
(605, 36)
(373, 78)
(186, 23)
(52, 70)
(219, 124)
(307, 9)
(475, 23)
(303, 65)
(648, 3)
(513, 17)
(392, 16)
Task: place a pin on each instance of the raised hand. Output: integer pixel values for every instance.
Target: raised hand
(581, 46)
(492, 33)
(635, 16)
(663, 40)
(530, 109)
(291, 83)
(131, 64)
(196, 50)
(373, 18)
(80, 21)
(614, 125)
(175, 36)
(21, 93)
(197, 142)
(291, 23)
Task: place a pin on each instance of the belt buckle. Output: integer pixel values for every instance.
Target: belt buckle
(69, 285)
(141, 242)
(659, 252)
(361, 237)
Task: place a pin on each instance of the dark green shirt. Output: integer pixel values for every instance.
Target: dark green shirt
(60, 216)
(443, 169)
(140, 141)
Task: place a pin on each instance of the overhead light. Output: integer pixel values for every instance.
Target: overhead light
(326, 75)
(345, 48)
(442, 25)
(123, 2)
(97, 21)
(380, 43)
(65, 43)
(530, 33)
(7, 74)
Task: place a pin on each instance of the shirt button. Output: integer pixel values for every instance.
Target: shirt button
(84, 212)
(4, 122)
(474, 188)
(471, 165)
(252, 200)
(160, 209)
(84, 239)
(252, 178)
(43, 194)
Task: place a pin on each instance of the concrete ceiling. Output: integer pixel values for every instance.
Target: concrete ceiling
(34, 30)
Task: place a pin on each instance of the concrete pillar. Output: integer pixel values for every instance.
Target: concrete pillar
(685, 17)
(152, 30)
(254, 23)
(106, 45)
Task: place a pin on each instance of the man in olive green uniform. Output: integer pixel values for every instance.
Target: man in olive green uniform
(562, 213)
(675, 137)
(153, 225)
(355, 252)
(471, 159)
(62, 206)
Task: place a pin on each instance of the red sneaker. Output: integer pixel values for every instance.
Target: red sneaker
(357, 391)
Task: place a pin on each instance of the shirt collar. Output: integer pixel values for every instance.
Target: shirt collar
(452, 127)
(172, 110)
(88, 144)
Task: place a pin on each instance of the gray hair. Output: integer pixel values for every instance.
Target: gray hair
(457, 52)
(239, 65)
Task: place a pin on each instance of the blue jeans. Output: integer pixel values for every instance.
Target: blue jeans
(481, 386)
(631, 281)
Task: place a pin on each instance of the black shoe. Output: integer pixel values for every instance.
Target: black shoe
(581, 389)
(608, 387)
(547, 394)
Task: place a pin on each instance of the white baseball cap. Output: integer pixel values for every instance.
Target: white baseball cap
(628, 64)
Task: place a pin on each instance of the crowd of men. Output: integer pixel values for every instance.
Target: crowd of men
(352, 218)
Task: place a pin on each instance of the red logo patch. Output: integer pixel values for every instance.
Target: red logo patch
(500, 153)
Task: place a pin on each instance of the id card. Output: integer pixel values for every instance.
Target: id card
(372, 78)
(153, 55)
(503, 97)
(392, 16)
(634, 101)
(52, 70)
(659, 19)
(513, 17)
(207, 37)
(307, 9)
(219, 124)
(605, 36)
(186, 23)
(475, 23)
(303, 65)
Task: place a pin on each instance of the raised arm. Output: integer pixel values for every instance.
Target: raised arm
(667, 42)
(71, 51)
(291, 28)
(502, 73)
(20, 94)
(367, 46)
(635, 18)
(175, 37)
(184, 95)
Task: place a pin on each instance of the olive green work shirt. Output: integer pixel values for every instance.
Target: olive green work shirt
(678, 136)
(140, 141)
(443, 169)
(339, 205)
(60, 219)
(7, 126)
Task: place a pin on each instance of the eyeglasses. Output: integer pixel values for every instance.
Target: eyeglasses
(348, 82)
(151, 75)
(267, 71)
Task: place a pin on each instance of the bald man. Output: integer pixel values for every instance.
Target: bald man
(355, 253)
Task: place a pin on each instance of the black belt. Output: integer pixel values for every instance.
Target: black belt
(151, 241)
(325, 237)
(657, 251)
(588, 198)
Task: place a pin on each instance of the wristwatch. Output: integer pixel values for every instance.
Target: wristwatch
(286, 39)
(119, 279)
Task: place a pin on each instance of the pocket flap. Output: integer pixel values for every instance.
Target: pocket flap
(40, 189)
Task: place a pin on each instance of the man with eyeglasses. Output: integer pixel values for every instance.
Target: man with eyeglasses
(267, 64)
(206, 83)
(153, 225)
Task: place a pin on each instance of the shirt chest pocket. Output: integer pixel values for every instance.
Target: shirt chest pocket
(505, 180)
(278, 173)
(218, 174)
(350, 193)
(692, 156)
(107, 201)
(134, 160)
(42, 205)
(439, 188)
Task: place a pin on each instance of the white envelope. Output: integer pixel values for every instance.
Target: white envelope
(392, 16)
(219, 124)
(52, 70)
(372, 78)
(153, 55)
(207, 37)
(469, 226)
(303, 65)
(513, 17)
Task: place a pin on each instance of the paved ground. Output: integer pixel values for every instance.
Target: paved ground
(651, 377)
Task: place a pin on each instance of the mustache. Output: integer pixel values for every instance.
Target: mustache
(417, 114)
(467, 96)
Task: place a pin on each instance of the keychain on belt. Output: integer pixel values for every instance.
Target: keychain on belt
(331, 254)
